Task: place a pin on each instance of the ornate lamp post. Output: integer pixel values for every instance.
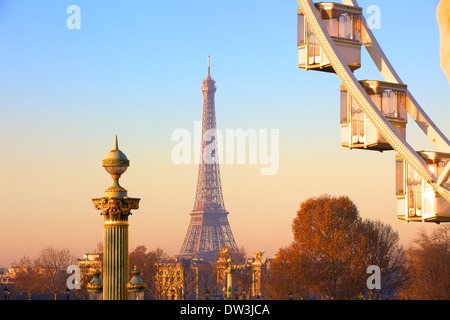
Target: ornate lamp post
(222, 265)
(256, 274)
(136, 286)
(230, 272)
(115, 207)
(6, 292)
(95, 287)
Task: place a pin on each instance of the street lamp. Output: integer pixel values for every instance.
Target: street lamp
(6, 292)
(136, 286)
(67, 294)
(230, 271)
(95, 287)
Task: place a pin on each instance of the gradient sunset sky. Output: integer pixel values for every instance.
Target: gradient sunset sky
(135, 69)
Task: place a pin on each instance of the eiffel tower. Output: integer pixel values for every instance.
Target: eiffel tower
(209, 230)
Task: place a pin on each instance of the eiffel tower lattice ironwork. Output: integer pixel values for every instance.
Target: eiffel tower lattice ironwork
(209, 230)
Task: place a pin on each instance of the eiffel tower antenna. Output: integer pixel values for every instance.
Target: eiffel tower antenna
(209, 68)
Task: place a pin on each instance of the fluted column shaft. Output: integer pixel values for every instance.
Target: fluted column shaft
(115, 261)
(115, 245)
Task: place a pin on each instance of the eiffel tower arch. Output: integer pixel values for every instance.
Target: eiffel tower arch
(209, 230)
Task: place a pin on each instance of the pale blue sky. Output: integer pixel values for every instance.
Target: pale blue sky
(135, 69)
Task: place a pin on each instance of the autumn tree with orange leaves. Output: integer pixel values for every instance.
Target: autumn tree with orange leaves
(327, 230)
(332, 249)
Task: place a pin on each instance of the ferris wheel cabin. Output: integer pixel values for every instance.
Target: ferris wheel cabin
(343, 23)
(357, 131)
(416, 199)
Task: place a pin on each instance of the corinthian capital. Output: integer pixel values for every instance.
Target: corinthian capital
(116, 208)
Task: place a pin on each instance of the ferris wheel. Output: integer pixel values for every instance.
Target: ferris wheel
(374, 113)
